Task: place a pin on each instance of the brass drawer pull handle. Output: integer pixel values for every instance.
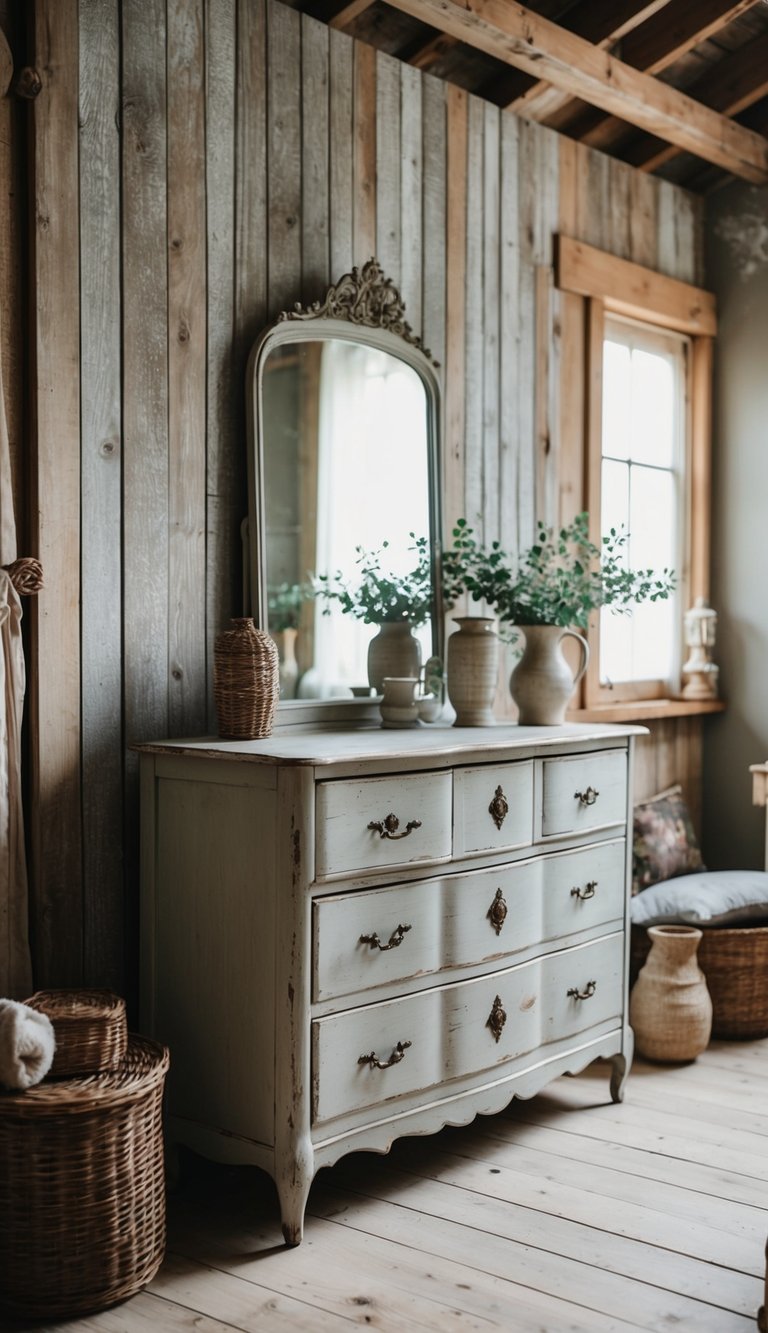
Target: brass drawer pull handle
(499, 808)
(497, 1018)
(394, 1059)
(387, 828)
(585, 994)
(498, 911)
(587, 892)
(587, 797)
(395, 939)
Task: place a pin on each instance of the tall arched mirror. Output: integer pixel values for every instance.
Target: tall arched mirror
(344, 421)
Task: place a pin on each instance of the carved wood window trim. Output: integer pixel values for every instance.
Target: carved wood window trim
(609, 285)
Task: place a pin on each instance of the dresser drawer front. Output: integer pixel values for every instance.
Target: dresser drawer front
(344, 840)
(583, 792)
(398, 933)
(493, 808)
(451, 1032)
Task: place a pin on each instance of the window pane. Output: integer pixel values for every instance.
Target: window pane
(616, 395)
(652, 422)
(652, 519)
(614, 493)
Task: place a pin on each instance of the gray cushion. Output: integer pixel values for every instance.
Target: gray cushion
(709, 898)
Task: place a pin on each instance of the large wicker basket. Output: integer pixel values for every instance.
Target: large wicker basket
(89, 1027)
(734, 961)
(82, 1190)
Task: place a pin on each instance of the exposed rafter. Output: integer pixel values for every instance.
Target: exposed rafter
(737, 82)
(349, 13)
(655, 46)
(602, 22)
(524, 39)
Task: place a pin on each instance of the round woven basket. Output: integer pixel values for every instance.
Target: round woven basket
(82, 1189)
(89, 1027)
(246, 681)
(734, 961)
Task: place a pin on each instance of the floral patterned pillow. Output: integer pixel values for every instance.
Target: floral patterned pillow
(665, 844)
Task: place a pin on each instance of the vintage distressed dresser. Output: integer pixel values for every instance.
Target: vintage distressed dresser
(349, 936)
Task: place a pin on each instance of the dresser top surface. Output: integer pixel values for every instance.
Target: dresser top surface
(326, 746)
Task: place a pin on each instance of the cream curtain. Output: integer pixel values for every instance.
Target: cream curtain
(15, 963)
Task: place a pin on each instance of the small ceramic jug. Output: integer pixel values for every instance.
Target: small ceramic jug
(542, 682)
(398, 705)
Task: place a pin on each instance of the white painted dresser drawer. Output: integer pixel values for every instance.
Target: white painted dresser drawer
(493, 808)
(373, 823)
(367, 1056)
(395, 934)
(583, 792)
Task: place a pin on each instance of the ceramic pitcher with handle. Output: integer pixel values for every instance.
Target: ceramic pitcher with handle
(542, 682)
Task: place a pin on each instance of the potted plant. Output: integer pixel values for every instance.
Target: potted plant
(547, 590)
(397, 603)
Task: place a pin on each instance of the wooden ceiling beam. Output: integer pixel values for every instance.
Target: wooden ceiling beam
(657, 45)
(736, 82)
(518, 37)
(348, 13)
(601, 22)
(428, 55)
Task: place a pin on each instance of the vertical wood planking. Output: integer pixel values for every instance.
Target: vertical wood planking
(454, 501)
(101, 556)
(434, 241)
(473, 348)
(490, 352)
(546, 346)
(388, 166)
(526, 471)
(643, 197)
(225, 465)
(411, 192)
(341, 141)
(283, 157)
(145, 369)
(509, 361)
(364, 185)
(667, 260)
(187, 305)
(571, 366)
(54, 701)
(12, 296)
(315, 255)
(619, 208)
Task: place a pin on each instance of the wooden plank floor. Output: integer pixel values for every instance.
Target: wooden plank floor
(563, 1213)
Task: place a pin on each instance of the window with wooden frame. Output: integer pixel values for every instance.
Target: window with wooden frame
(648, 354)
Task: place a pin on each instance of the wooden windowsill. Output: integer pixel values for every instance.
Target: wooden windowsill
(645, 710)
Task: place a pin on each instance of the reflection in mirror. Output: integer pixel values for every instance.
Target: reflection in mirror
(346, 446)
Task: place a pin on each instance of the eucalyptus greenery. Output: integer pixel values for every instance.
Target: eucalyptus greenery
(377, 596)
(284, 603)
(558, 580)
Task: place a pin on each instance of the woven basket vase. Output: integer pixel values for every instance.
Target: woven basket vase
(246, 681)
(89, 1027)
(82, 1188)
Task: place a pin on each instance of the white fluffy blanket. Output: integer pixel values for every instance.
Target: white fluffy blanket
(27, 1045)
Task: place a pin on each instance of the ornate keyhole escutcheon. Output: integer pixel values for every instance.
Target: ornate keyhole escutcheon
(498, 911)
(497, 1018)
(499, 808)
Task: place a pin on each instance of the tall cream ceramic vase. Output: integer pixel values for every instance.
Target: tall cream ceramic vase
(670, 1007)
(473, 670)
(542, 682)
(394, 651)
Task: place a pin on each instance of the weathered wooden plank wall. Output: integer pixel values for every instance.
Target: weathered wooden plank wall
(259, 156)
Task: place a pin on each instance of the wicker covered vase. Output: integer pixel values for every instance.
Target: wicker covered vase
(670, 1008)
(246, 681)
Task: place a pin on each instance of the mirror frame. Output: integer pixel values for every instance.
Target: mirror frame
(364, 306)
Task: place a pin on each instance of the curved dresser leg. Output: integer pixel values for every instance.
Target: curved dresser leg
(293, 1191)
(619, 1071)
